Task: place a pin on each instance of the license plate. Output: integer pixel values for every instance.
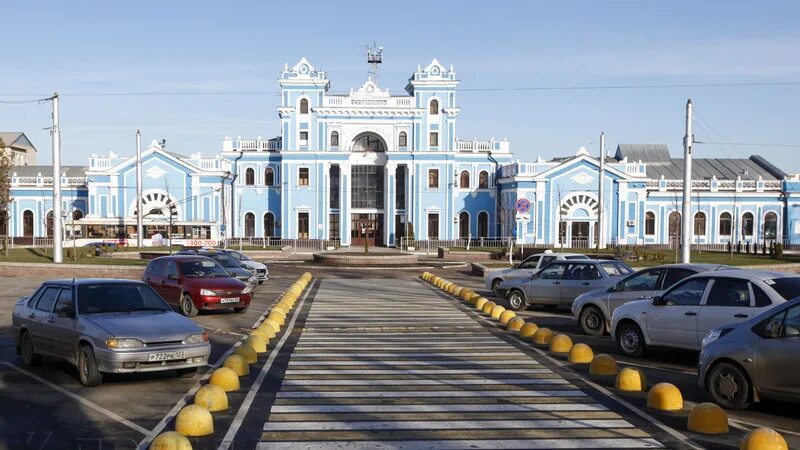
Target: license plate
(229, 300)
(166, 356)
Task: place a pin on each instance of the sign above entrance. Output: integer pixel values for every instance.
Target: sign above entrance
(523, 205)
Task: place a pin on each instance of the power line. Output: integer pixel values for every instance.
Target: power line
(748, 144)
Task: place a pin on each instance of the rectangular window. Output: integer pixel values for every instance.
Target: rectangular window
(302, 177)
(303, 138)
(366, 187)
(333, 230)
(400, 187)
(434, 139)
(433, 226)
(334, 187)
(302, 225)
(433, 178)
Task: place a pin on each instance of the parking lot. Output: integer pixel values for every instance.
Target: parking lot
(374, 355)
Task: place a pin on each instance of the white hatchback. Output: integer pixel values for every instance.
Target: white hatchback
(685, 313)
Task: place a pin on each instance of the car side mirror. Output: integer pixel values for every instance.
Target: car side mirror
(68, 313)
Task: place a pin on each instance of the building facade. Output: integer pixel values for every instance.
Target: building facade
(373, 166)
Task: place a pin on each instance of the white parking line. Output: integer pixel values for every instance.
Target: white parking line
(251, 394)
(76, 397)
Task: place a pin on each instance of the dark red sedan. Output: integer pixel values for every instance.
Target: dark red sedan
(194, 283)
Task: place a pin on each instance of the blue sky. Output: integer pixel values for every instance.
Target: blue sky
(171, 46)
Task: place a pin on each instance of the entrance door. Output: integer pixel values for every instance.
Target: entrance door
(580, 235)
(366, 227)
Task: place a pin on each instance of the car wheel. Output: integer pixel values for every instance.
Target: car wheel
(496, 286)
(29, 356)
(241, 310)
(186, 373)
(630, 340)
(729, 386)
(87, 367)
(187, 306)
(516, 300)
(592, 321)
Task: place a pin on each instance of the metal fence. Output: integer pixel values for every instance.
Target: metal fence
(40, 242)
(292, 245)
(431, 246)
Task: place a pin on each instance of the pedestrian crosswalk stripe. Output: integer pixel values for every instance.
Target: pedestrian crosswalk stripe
(363, 382)
(452, 407)
(442, 425)
(498, 371)
(451, 394)
(471, 444)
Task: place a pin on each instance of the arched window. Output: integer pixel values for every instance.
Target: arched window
(250, 176)
(334, 139)
(483, 180)
(674, 227)
(249, 225)
(649, 223)
(434, 107)
(700, 224)
(269, 225)
(770, 226)
(463, 225)
(402, 139)
(725, 224)
(27, 223)
(269, 177)
(483, 224)
(304, 106)
(747, 224)
(464, 180)
(368, 143)
(77, 214)
(49, 224)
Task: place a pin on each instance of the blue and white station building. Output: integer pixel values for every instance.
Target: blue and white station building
(376, 166)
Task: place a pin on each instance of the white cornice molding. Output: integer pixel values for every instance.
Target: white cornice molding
(350, 111)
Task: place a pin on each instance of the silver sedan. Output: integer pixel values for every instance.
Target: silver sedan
(107, 326)
(747, 361)
(562, 281)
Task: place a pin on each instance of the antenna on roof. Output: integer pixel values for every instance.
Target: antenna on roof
(374, 59)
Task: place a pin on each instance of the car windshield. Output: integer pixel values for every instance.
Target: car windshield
(788, 287)
(203, 269)
(240, 256)
(118, 297)
(615, 269)
(227, 261)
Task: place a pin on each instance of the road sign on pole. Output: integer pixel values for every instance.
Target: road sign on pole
(523, 205)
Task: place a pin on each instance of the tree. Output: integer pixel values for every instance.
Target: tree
(6, 163)
(562, 234)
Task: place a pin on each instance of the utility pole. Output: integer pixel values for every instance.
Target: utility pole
(139, 212)
(57, 236)
(686, 228)
(601, 240)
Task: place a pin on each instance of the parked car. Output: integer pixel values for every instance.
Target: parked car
(106, 326)
(194, 283)
(592, 310)
(745, 362)
(562, 281)
(261, 270)
(233, 266)
(526, 268)
(682, 316)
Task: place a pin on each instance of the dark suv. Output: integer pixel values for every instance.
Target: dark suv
(194, 283)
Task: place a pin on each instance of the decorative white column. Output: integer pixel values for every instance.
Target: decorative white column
(389, 211)
(344, 202)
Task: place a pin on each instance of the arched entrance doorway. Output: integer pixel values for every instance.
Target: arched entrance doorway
(367, 193)
(577, 217)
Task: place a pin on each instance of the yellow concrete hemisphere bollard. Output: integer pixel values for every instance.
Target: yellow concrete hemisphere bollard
(708, 418)
(763, 439)
(225, 378)
(171, 440)
(282, 309)
(258, 343)
(580, 354)
(561, 343)
(194, 420)
(488, 307)
(515, 324)
(506, 316)
(211, 397)
(272, 324)
(543, 336)
(248, 352)
(466, 293)
(277, 317)
(603, 364)
(528, 330)
(457, 291)
(277, 312)
(238, 364)
(496, 312)
(266, 333)
(665, 397)
(479, 304)
(631, 379)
